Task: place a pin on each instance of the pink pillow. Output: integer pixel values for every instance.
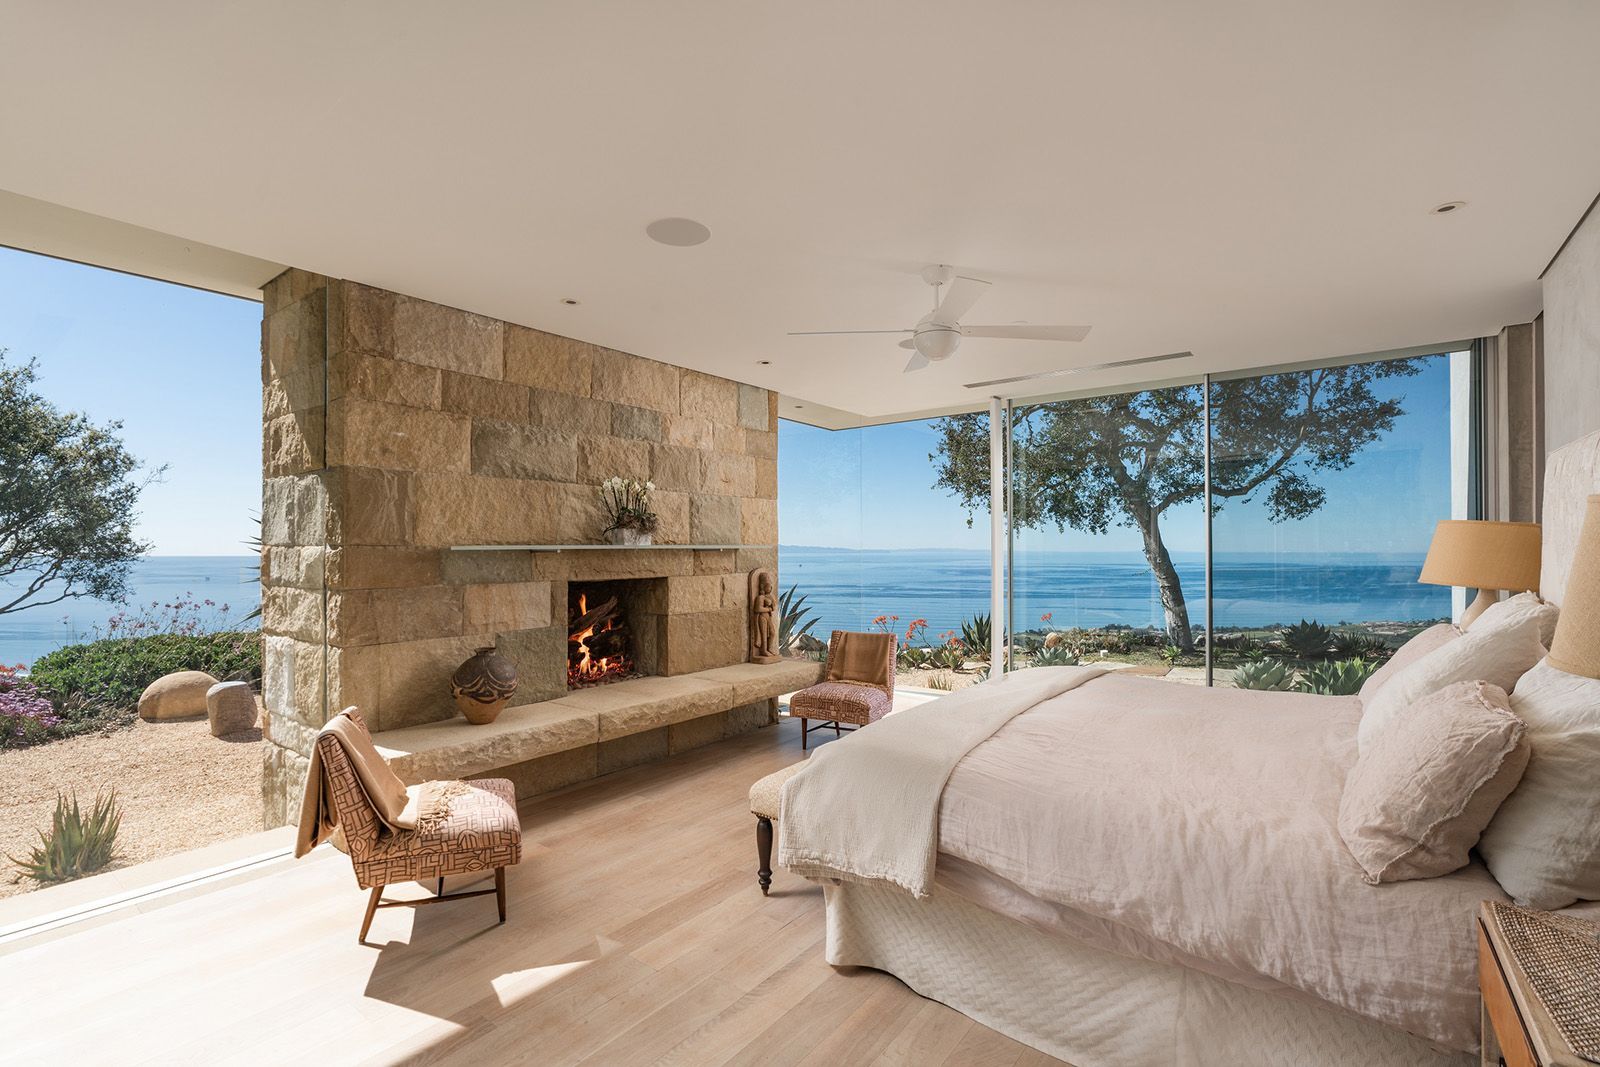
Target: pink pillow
(1433, 637)
(1428, 783)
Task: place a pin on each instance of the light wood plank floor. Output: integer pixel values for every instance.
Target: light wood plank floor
(636, 935)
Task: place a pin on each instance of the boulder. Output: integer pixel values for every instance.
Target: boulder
(231, 707)
(176, 696)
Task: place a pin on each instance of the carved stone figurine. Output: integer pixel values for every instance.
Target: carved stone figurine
(763, 617)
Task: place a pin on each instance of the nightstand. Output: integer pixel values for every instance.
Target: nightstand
(1518, 1030)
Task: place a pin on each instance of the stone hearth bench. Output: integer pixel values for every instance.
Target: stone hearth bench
(455, 748)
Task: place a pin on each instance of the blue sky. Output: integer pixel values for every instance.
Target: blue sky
(871, 488)
(180, 368)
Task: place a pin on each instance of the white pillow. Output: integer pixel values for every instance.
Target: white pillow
(1498, 655)
(1407, 654)
(1543, 845)
(1517, 607)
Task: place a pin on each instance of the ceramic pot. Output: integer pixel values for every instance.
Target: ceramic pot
(627, 537)
(483, 686)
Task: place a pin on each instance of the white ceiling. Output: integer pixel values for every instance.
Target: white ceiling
(1249, 181)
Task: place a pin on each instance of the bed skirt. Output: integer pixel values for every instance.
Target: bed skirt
(1090, 1007)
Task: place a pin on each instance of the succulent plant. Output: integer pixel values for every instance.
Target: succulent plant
(975, 635)
(1308, 640)
(76, 843)
(1340, 678)
(793, 623)
(1348, 645)
(1272, 675)
(1057, 656)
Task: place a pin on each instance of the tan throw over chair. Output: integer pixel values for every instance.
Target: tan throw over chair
(455, 827)
(858, 688)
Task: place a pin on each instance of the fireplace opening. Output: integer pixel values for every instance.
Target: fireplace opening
(600, 642)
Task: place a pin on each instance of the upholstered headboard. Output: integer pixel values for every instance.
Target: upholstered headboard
(1571, 476)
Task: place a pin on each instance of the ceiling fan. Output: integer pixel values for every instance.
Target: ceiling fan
(938, 334)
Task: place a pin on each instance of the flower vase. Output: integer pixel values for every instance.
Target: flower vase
(627, 537)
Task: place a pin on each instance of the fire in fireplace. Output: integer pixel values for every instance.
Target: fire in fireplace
(599, 645)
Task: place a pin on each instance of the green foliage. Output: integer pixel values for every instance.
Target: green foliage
(1340, 678)
(1126, 459)
(911, 657)
(794, 622)
(1172, 654)
(950, 656)
(981, 674)
(1273, 675)
(102, 680)
(941, 681)
(1308, 640)
(76, 844)
(976, 634)
(68, 501)
(1059, 656)
(1348, 645)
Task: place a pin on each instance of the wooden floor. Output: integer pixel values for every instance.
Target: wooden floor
(637, 935)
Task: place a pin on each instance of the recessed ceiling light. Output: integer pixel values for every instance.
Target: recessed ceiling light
(765, 362)
(571, 303)
(680, 233)
(1449, 206)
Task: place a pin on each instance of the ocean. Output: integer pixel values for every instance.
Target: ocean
(228, 580)
(848, 588)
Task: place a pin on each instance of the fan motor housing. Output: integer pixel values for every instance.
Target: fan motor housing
(936, 341)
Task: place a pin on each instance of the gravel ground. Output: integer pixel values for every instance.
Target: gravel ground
(180, 788)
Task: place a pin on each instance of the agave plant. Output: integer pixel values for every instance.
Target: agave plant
(1054, 656)
(975, 635)
(1340, 678)
(793, 622)
(1347, 645)
(76, 843)
(950, 656)
(1308, 640)
(910, 657)
(1273, 675)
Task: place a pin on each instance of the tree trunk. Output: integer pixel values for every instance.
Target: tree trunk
(1172, 602)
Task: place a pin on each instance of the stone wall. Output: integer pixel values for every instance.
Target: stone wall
(1572, 337)
(395, 429)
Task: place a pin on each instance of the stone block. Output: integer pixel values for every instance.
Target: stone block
(414, 679)
(506, 606)
(455, 748)
(672, 509)
(549, 773)
(293, 567)
(230, 708)
(761, 444)
(713, 520)
(718, 562)
(292, 679)
(515, 450)
(705, 639)
(600, 458)
(696, 733)
(618, 754)
(753, 683)
(548, 361)
(354, 678)
(294, 510)
(569, 415)
(363, 433)
(600, 566)
(294, 339)
(755, 408)
(694, 593)
(686, 432)
(735, 590)
(646, 703)
(288, 733)
(293, 391)
(448, 338)
(369, 507)
(578, 517)
(293, 443)
(627, 379)
(734, 475)
(385, 381)
(383, 616)
(756, 557)
(676, 467)
(368, 319)
(758, 521)
(742, 720)
(283, 784)
(640, 424)
(767, 478)
(291, 612)
(540, 657)
(383, 567)
(484, 398)
(713, 399)
(472, 568)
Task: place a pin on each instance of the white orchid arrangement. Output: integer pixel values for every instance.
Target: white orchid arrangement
(627, 504)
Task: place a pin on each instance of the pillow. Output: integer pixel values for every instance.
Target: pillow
(1495, 654)
(1519, 606)
(1543, 846)
(1433, 637)
(1422, 792)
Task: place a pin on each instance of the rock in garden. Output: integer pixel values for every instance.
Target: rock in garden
(231, 707)
(176, 696)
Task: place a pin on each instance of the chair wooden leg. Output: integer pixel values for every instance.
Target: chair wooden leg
(500, 890)
(440, 893)
(836, 729)
(372, 909)
(804, 726)
(764, 852)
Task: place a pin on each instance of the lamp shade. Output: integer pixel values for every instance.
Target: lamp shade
(1576, 646)
(1483, 555)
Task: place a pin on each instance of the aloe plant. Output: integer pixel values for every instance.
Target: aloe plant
(76, 843)
(1340, 678)
(1272, 675)
(1308, 640)
(794, 621)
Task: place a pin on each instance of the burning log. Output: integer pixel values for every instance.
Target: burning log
(593, 619)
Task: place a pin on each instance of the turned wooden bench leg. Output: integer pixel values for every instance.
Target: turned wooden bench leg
(372, 909)
(764, 852)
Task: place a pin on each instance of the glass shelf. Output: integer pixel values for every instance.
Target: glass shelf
(596, 548)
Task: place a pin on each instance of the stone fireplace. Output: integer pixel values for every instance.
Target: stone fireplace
(611, 636)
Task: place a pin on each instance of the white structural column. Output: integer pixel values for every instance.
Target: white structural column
(998, 637)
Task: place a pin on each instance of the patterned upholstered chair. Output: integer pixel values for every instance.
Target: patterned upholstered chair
(858, 688)
(482, 832)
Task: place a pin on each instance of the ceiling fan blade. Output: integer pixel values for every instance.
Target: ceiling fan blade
(830, 333)
(908, 343)
(959, 296)
(1029, 333)
(1079, 370)
(917, 362)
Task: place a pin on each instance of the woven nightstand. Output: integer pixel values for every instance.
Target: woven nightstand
(1539, 977)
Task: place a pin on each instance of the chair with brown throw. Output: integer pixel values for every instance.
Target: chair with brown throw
(398, 835)
(858, 688)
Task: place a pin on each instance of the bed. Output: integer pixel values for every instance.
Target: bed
(1129, 871)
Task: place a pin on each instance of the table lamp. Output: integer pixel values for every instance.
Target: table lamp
(1486, 556)
(1576, 646)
